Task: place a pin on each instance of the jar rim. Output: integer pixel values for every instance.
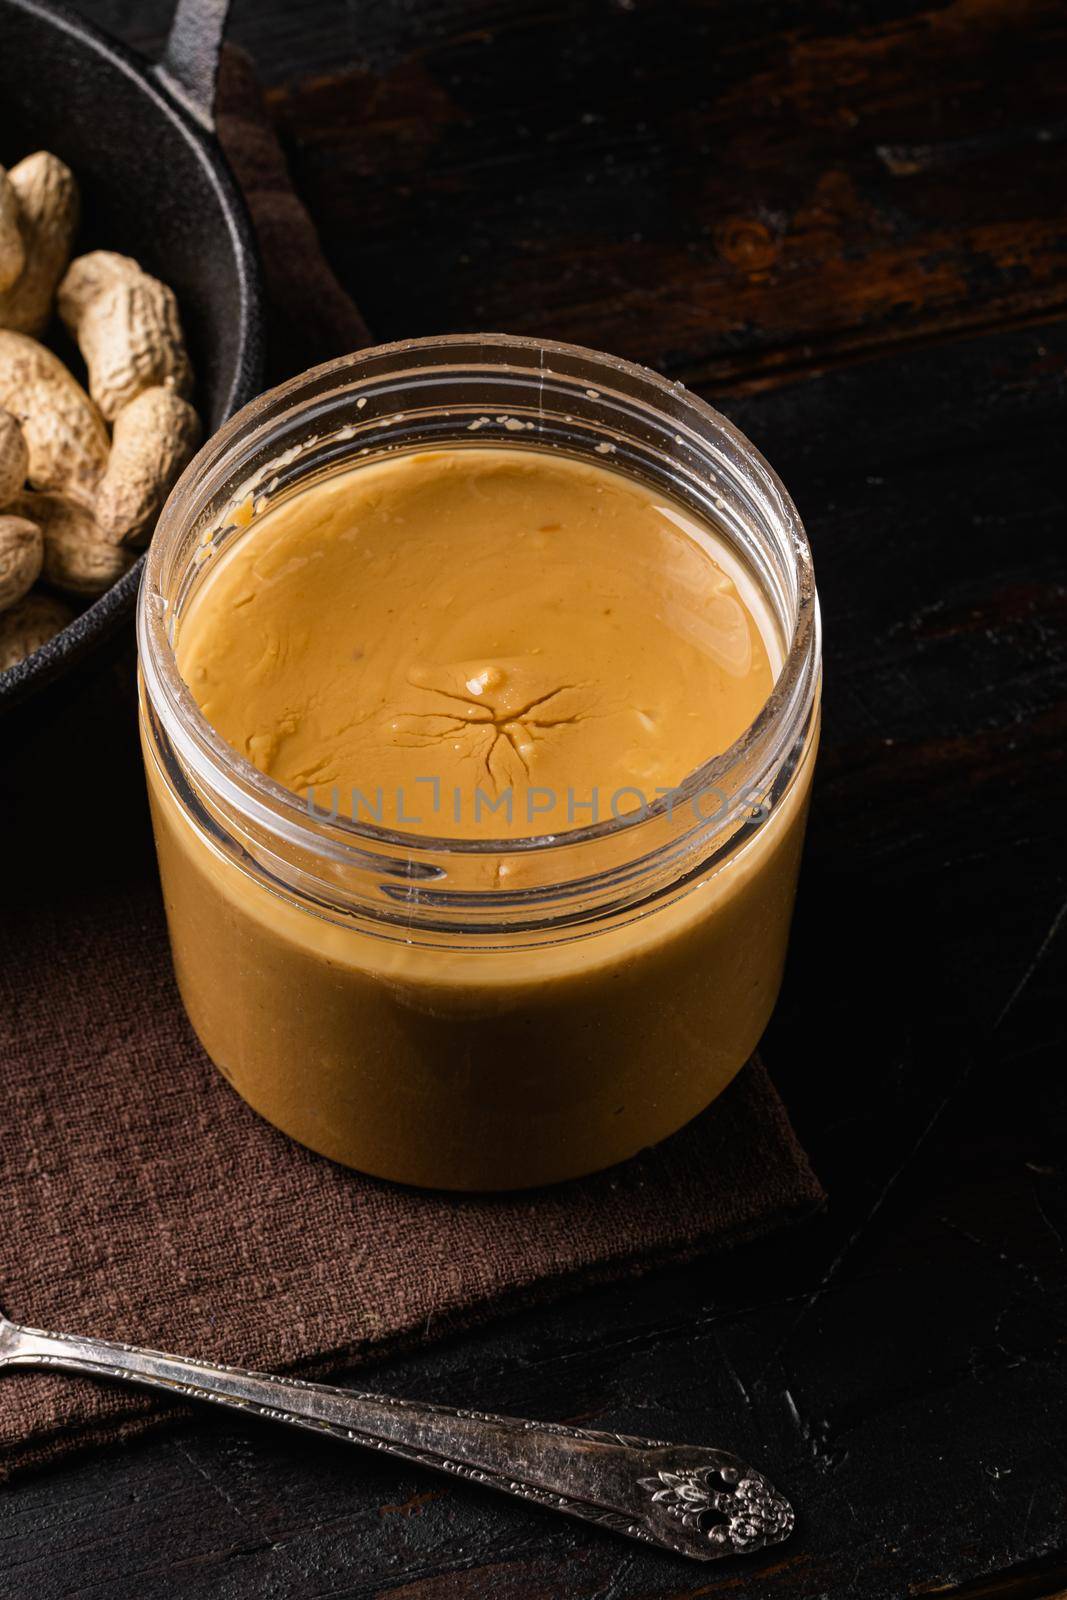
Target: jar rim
(782, 715)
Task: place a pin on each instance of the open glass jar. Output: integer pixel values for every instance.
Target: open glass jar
(386, 998)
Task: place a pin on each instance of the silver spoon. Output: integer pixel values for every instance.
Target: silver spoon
(699, 1502)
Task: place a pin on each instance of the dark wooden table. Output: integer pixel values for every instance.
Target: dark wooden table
(845, 221)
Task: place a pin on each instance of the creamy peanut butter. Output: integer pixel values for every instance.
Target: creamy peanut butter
(478, 643)
(505, 622)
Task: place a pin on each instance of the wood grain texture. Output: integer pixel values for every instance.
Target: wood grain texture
(851, 225)
(715, 189)
(719, 188)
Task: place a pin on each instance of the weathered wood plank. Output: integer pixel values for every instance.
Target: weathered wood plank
(715, 189)
(727, 191)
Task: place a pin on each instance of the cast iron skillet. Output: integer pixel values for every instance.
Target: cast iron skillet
(155, 186)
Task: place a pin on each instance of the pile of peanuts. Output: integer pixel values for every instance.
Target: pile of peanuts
(83, 470)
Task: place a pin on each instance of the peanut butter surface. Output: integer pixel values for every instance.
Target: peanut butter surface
(477, 643)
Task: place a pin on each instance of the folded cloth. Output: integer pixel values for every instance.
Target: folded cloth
(142, 1200)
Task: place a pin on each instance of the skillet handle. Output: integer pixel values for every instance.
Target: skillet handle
(189, 67)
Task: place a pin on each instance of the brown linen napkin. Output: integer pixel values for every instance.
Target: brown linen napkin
(141, 1200)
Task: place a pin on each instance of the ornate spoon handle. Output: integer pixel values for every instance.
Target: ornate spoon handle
(699, 1502)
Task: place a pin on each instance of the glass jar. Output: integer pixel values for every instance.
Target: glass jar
(385, 997)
